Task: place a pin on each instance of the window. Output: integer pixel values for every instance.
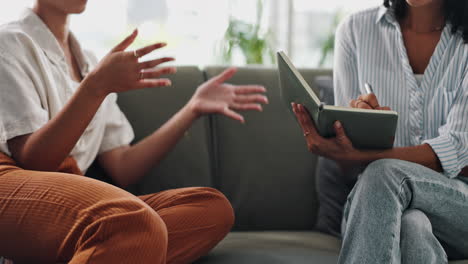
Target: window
(195, 30)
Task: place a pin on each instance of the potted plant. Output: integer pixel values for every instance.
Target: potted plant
(254, 43)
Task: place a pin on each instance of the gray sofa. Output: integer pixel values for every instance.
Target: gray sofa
(263, 167)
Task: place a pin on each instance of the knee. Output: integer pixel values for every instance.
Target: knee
(415, 221)
(380, 180)
(218, 209)
(383, 166)
(381, 172)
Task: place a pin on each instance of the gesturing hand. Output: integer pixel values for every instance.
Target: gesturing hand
(215, 96)
(120, 70)
(338, 148)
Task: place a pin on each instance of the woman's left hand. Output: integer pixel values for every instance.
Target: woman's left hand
(338, 148)
(217, 97)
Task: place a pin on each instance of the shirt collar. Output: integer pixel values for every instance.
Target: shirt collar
(40, 33)
(386, 14)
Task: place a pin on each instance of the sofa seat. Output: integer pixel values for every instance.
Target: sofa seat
(275, 247)
(278, 247)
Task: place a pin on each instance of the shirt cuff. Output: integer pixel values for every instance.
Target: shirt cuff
(447, 154)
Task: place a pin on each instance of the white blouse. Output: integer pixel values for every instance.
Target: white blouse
(35, 84)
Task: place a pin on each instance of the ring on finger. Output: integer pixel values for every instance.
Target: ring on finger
(135, 53)
(307, 133)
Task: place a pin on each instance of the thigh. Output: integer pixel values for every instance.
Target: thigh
(42, 213)
(443, 200)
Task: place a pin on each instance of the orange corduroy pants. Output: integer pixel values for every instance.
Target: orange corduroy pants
(48, 217)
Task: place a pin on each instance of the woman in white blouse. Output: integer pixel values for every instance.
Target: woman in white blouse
(58, 112)
(410, 205)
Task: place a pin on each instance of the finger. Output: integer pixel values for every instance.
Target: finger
(148, 49)
(247, 107)
(231, 114)
(154, 63)
(304, 115)
(370, 99)
(340, 133)
(353, 103)
(311, 134)
(157, 73)
(149, 83)
(224, 76)
(256, 98)
(248, 89)
(307, 122)
(363, 105)
(296, 111)
(384, 108)
(126, 42)
(298, 116)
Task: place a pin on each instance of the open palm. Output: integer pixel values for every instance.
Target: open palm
(216, 96)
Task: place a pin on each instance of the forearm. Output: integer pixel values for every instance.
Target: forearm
(135, 161)
(46, 148)
(422, 154)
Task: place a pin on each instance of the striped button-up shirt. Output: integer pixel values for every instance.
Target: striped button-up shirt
(369, 48)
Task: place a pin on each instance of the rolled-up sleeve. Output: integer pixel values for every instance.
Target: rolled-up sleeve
(345, 70)
(21, 111)
(451, 146)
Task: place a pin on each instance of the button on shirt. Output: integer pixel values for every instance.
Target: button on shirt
(35, 84)
(370, 48)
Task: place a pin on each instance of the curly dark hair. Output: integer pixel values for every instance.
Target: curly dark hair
(455, 11)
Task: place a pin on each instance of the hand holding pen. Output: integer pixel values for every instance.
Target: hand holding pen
(368, 100)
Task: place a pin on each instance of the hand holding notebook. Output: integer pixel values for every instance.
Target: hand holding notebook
(366, 129)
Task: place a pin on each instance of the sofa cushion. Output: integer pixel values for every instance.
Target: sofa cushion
(263, 166)
(283, 247)
(274, 248)
(189, 163)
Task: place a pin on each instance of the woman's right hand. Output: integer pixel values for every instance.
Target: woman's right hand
(121, 71)
(367, 101)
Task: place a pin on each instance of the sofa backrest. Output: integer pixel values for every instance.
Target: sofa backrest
(189, 164)
(263, 166)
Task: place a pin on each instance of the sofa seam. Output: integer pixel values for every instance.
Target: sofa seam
(213, 144)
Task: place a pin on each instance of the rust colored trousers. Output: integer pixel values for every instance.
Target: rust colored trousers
(48, 217)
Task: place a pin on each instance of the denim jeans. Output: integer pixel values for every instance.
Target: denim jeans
(402, 212)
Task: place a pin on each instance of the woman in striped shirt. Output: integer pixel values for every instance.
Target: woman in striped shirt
(410, 204)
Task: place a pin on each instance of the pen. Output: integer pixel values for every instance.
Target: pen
(368, 88)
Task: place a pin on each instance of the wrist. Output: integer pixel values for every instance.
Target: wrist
(93, 87)
(191, 111)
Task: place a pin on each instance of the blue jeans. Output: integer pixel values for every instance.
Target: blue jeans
(402, 212)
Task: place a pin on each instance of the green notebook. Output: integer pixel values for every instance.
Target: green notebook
(367, 129)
